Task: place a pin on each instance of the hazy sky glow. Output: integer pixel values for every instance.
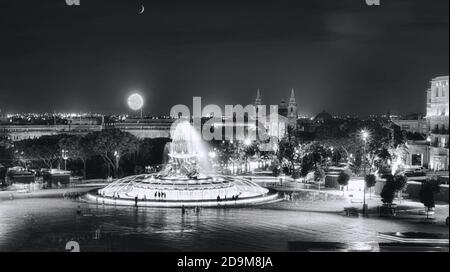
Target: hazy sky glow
(341, 56)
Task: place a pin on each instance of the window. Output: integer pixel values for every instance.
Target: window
(416, 159)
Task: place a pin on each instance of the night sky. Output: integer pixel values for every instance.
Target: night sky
(341, 56)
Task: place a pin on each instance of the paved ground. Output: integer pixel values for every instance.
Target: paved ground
(24, 224)
(47, 224)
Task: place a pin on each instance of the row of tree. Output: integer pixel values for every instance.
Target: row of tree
(335, 142)
(110, 152)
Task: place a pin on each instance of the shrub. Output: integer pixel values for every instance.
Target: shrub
(388, 192)
(276, 171)
(426, 195)
(296, 174)
(370, 180)
(400, 182)
(343, 179)
(318, 174)
(427, 191)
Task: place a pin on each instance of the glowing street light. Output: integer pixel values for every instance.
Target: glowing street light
(117, 156)
(212, 154)
(365, 136)
(65, 156)
(247, 142)
(332, 155)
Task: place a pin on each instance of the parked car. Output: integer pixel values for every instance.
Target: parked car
(415, 172)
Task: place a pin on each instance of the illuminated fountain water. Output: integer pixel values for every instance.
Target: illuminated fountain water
(186, 180)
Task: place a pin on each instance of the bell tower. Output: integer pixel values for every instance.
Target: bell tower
(292, 110)
(258, 100)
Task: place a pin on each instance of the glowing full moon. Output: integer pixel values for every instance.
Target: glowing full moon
(135, 102)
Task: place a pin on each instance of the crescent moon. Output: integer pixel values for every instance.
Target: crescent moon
(142, 10)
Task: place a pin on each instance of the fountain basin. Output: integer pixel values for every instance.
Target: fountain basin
(155, 191)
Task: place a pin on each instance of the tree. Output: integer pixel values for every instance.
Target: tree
(227, 152)
(111, 145)
(343, 179)
(248, 151)
(306, 166)
(286, 151)
(317, 153)
(393, 184)
(426, 194)
(296, 174)
(6, 152)
(400, 182)
(43, 150)
(276, 172)
(370, 181)
(319, 174)
(388, 192)
(341, 146)
(150, 151)
(5, 142)
(78, 148)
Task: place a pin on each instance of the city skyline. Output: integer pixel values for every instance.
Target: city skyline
(335, 55)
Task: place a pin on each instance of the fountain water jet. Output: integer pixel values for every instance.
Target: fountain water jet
(186, 180)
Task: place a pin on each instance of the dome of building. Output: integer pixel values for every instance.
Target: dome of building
(323, 116)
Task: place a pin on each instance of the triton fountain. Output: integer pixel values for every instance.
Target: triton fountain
(186, 180)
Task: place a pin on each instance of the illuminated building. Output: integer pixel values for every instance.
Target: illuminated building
(438, 121)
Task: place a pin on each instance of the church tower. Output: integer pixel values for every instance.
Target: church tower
(292, 110)
(258, 100)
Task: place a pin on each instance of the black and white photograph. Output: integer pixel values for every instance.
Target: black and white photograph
(212, 126)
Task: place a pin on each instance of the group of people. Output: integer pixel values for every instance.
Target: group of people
(160, 195)
(116, 195)
(233, 197)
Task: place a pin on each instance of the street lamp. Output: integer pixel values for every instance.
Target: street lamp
(332, 155)
(212, 154)
(117, 156)
(247, 143)
(65, 156)
(365, 136)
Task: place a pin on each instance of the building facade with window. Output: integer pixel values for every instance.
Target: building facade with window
(438, 123)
